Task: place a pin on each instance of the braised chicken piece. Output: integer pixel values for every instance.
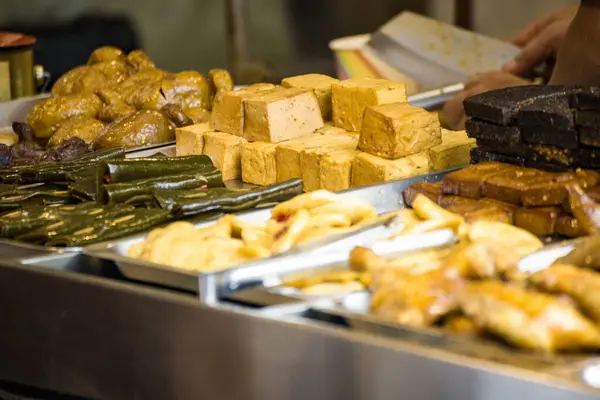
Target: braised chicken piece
(528, 319)
(106, 53)
(417, 300)
(585, 209)
(198, 114)
(85, 128)
(47, 116)
(115, 71)
(143, 90)
(114, 106)
(141, 128)
(219, 80)
(64, 84)
(91, 78)
(138, 61)
(580, 284)
(176, 115)
(189, 89)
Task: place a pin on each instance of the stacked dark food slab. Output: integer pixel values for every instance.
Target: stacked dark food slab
(541, 202)
(555, 128)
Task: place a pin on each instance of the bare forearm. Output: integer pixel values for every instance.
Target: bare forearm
(579, 57)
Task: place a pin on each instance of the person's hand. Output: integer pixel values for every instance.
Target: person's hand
(454, 111)
(540, 40)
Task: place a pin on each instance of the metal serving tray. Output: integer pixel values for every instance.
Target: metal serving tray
(351, 311)
(385, 198)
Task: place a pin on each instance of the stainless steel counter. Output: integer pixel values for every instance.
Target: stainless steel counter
(104, 339)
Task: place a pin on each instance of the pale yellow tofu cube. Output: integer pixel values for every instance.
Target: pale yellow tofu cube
(368, 169)
(397, 130)
(259, 166)
(320, 84)
(228, 108)
(281, 115)
(454, 151)
(225, 151)
(189, 140)
(351, 97)
(310, 159)
(336, 170)
(287, 155)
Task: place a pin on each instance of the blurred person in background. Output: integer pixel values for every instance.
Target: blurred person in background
(540, 41)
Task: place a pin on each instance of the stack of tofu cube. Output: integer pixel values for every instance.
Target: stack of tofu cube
(333, 134)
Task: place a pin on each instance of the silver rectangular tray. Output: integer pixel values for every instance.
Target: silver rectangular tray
(384, 197)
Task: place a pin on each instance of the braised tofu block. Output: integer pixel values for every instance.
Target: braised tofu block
(368, 169)
(552, 192)
(475, 210)
(351, 97)
(330, 129)
(259, 165)
(567, 225)
(336, 170)
(417, 300)
(225, 151)
(287, 155)
(228, 108)
(397, 130)
(508, 186)
(281, 115)
(480, 129)
(310, 159)
(320, 84)
(540, 221)
(586, 99)
(432, 190)
(582, 285)
(528, 319)
(588, 119)
(190, 139)
(455, 150)
(468, 182)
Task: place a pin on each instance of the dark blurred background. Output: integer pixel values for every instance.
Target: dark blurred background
(287, 36)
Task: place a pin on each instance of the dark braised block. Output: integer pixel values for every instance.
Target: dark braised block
(588, 119)
(547, 112)
(568, 139)
(586, 99)
(480, 155)
(547, 166)
(509, 149)
(589, 137)
(502, 106)
(480, 129)
(553, 155)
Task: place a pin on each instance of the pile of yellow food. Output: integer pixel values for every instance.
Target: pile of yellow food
(120, 99)
(508, 244)
(333, 134)
(231, 242)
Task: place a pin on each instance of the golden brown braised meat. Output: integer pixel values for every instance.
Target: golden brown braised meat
(528, 319)
(189, 89)
(219, 80)
(106, 53)
(417, 300)
(64, 84)
(198, 114)
(138, 61)
(114, 106)
(82, 127)
(46, 116)
(114, 71)
(143, 90)
(585, 209)
(141, 128)
(580, 284)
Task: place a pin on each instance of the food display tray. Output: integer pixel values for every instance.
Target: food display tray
(384, 197)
